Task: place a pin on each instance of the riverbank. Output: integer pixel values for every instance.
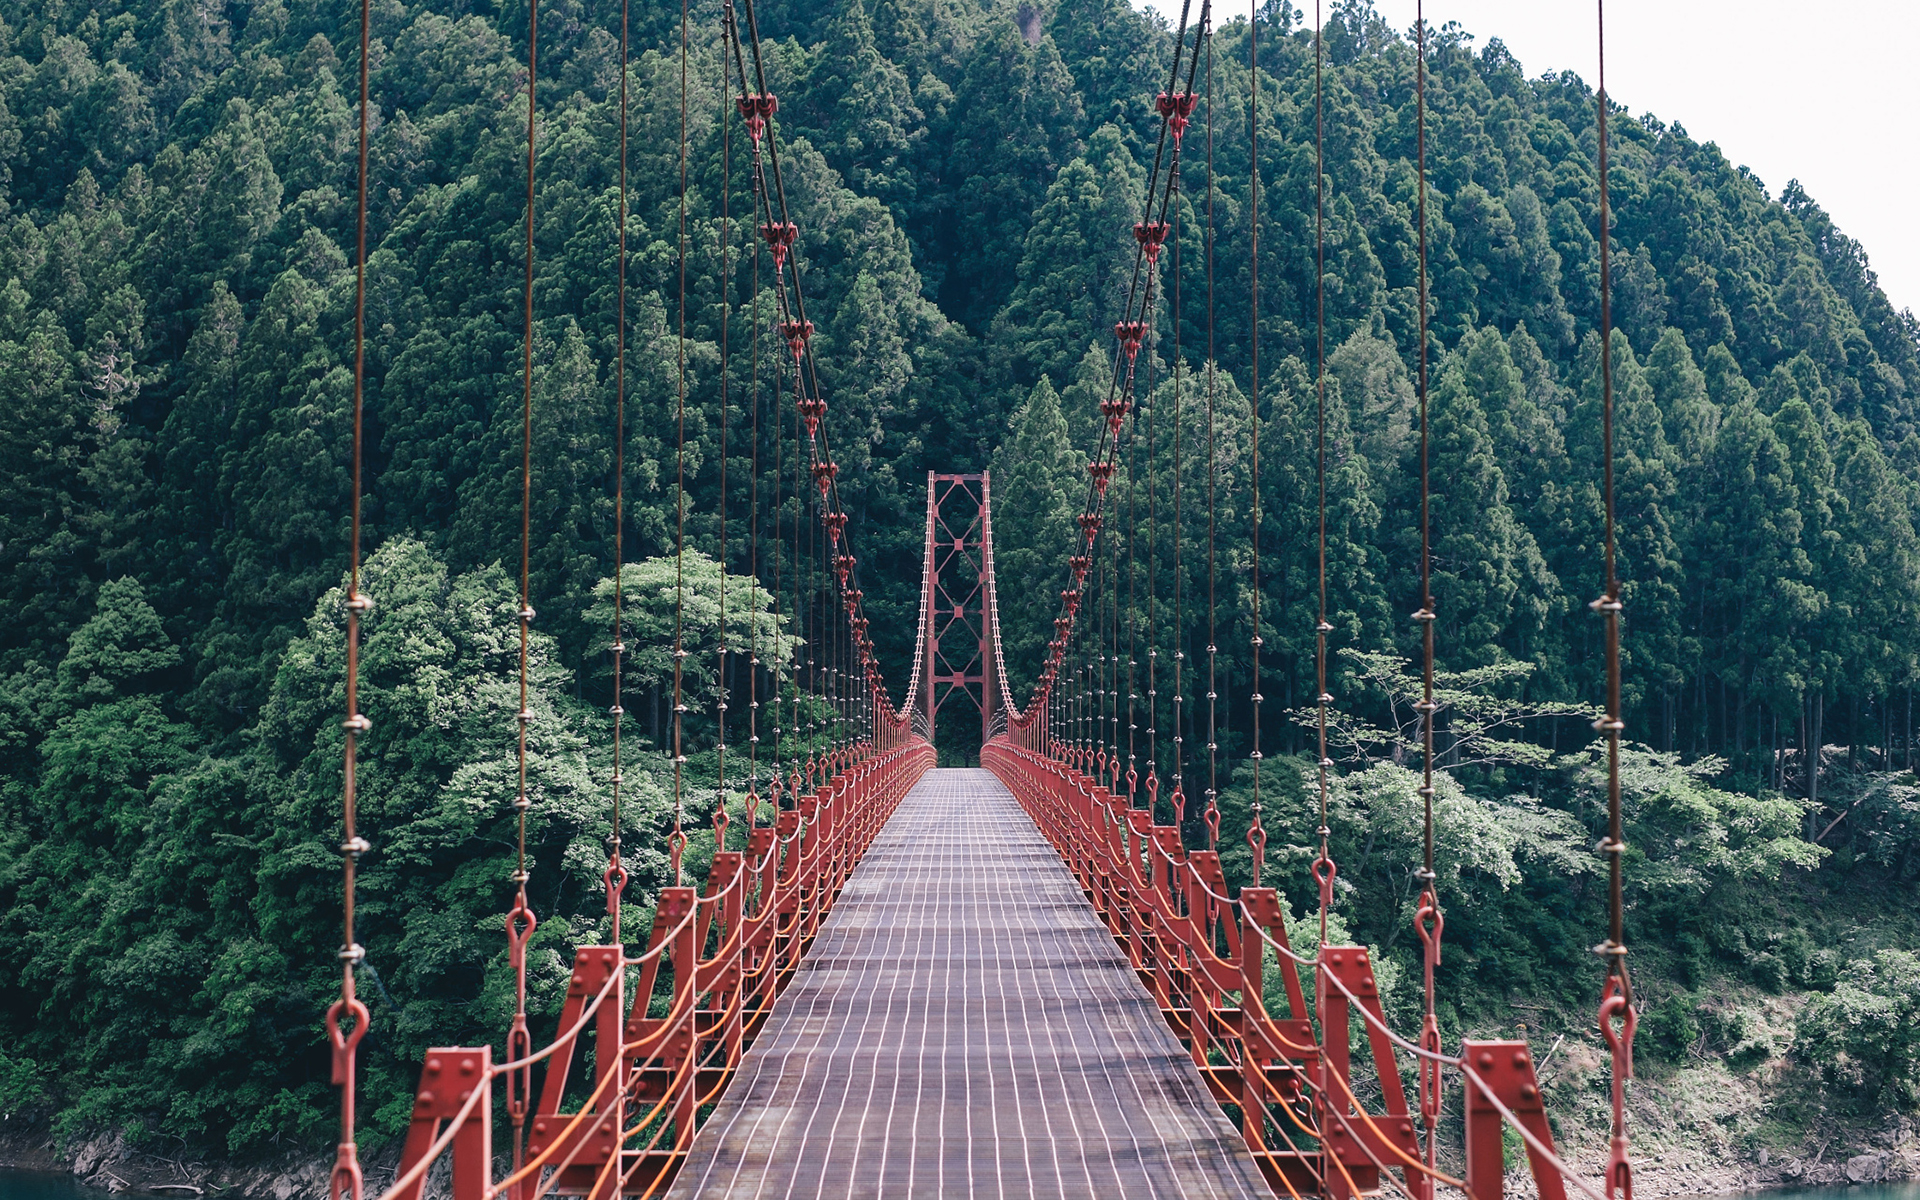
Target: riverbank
(106, 1162)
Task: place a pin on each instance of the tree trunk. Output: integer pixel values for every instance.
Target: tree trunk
(1813, 748)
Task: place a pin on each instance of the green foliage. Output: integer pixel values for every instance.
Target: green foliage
(1669, 1029)
(1865, 1035)
(1485, 716)
(1686, 835)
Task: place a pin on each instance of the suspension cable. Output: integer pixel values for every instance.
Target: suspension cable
(346, 1181)
(753, 525)
(677, 843)
(1323, 868)
(1256, 831)
(726, 308)
(1133, 608)
(520, 919)
(1213, 649)
(1429, 919)
(1617, 999)
(1179, 797)
(616, 873)
(1175, 108)
(780, 231)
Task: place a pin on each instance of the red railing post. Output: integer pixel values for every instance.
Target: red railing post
(1506, 1068)
(447, 1082)
(682, 1044)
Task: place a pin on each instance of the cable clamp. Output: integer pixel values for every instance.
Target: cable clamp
(1425, 614)
(618, 647)
(353, 954)
(1323, 627)
(526, 613)
(1611, 949)
(360, 603)
(520, 877)
(616, 710)
(1325, 698)
(1608, 725)
(355, 846)
(1606, 604)
(1609, 846)
(357, 723)
(521, 802)
(525, 715)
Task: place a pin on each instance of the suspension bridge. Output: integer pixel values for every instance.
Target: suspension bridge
(1014, 980)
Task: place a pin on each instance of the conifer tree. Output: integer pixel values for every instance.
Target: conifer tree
(1038, 482)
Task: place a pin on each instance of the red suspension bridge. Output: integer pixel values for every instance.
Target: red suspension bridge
(1017, 980)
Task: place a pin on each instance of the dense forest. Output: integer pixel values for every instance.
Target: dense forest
(175, 365)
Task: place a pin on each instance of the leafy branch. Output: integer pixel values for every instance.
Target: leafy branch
(1481, 718)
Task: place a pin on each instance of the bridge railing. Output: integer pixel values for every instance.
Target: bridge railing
(716, 959)
(1286, 1070)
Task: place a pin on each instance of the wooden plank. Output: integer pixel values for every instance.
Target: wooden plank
(964, 1026)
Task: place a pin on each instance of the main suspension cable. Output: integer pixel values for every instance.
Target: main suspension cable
(780, 233)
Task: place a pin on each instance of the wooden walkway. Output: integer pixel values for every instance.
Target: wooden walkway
(965, 1027)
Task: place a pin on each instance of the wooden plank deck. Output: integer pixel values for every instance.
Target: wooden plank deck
(965, 1027)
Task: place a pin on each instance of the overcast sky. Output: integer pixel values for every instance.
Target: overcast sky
(1826, 92)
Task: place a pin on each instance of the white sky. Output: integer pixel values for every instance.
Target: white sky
(1825, 92)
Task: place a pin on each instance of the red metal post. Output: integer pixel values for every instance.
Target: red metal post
(1507, 1070)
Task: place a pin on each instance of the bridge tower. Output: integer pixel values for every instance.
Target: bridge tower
(956, 655)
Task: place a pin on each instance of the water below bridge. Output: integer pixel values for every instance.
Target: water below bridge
(965, 1027)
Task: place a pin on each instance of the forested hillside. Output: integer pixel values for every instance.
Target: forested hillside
(175, 391)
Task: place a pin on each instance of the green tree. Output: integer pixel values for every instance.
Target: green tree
(1039, 482)
(1014, 123)
(1076, 264)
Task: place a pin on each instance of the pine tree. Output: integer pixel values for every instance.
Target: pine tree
(1039, 480)
(1076, 264)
